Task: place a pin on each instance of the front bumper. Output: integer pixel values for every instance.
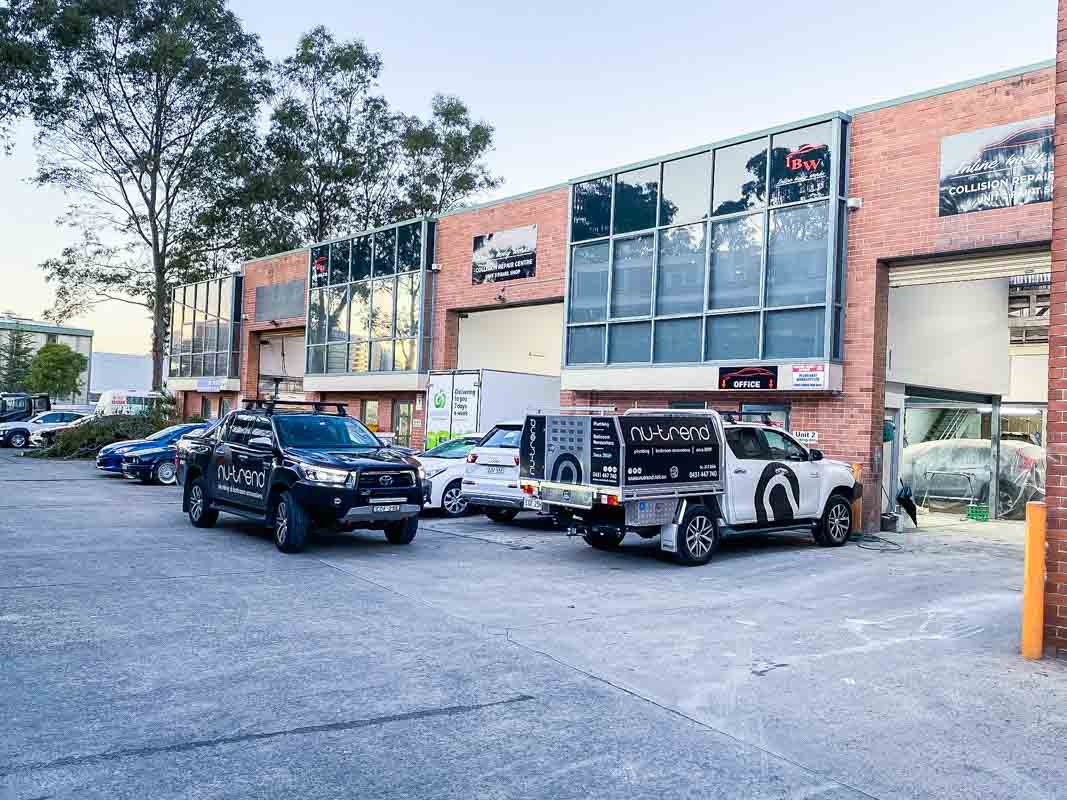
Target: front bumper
(108, 465)
(360, 515)
(138, 472)
(354, 506)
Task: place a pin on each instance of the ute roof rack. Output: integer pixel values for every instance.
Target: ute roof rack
(733, 417)
(269, 405)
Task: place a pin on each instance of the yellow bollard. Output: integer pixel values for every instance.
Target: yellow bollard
(857, 501)
(1034, 581)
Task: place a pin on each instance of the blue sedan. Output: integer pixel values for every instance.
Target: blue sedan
(109, 459)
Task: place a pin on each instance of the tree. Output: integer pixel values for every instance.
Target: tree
(338, 159)
(24, 61)
(150, 100)
(56, 370)
(15, 357)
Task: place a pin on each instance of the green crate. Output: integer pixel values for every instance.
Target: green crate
(978, 512)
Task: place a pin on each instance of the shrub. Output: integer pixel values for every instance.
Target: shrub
(84, 441)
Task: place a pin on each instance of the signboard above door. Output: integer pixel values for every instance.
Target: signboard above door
(1000, 167)
(505, 255)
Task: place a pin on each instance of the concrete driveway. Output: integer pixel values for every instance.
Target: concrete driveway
(140, 657)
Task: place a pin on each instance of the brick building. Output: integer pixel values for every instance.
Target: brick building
(876, 281)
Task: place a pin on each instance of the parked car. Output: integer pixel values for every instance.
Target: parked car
(109, 459)
(156, 464)
(445, 466)
(17, 434)
(296, 470)
(491, 475)
(47, 436)
(958, 471)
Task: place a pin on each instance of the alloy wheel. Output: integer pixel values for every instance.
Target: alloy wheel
(454, 502)
(196, 503)
(166, 473)
(281, 523)
(18, 441)
(700, 536)
(838, 522)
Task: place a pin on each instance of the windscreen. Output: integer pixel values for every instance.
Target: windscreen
(503, 437)
(454, 449)
(320, 431)
(165, 433)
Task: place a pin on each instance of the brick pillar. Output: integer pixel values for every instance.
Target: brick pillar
(1056, 473)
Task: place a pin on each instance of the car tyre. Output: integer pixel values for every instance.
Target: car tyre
(836, 524)
(290, 523)
(200, 514)
(698, 537)
(453, 503)
(501, 514)
(18, 440)
(165, 473)
(604, 541)
(402, 532)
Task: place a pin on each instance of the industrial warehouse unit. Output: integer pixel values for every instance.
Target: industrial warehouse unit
(877, 282)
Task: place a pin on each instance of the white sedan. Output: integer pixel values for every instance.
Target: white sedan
(17, 434)
(444, 466)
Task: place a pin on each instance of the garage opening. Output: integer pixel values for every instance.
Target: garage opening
(967, 388)
(519, 339)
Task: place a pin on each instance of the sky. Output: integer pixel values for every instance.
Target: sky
(573, 88)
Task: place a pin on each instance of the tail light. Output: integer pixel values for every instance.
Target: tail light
(472, 458)
(527, 489)
(611, 500)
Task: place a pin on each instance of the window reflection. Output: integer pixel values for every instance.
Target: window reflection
(736, 262)
(796, 256)
(680, 282)
(636, 195)
(631, 291)
(589, 283)
(685, 189)
(740, 177)
(591, 209)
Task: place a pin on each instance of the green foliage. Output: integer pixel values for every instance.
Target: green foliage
(85, 441)
(56, 371)
(16, 354)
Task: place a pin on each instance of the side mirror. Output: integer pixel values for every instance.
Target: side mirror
(261, 443)
(816, 454)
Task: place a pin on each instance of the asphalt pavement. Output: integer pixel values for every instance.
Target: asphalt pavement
(143, 658)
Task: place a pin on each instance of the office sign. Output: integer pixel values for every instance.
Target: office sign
(505, 255)
(748, 378)
(1000, 167)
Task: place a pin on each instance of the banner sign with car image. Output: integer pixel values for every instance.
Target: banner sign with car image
(505, 255)
(999, 167)
(748, 378)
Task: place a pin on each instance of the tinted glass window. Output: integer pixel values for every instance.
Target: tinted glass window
(359, 356)
(316, 360)
(591, 211)
(732, 336)
(381, 356)
(585, 345)
(630, 343)
(736, 262)
(796, 255)
(740, 177)
(316, 332)
(781, 447)
(457, 449)
(382, 309)
(385, 252)
(631, 291)
(239, 429)
(636, 195)
(404, 354)
(796, 333)
(321, 430)
(226, 298)
(359, 327)
(800, 164)
(409, 245)
(745, 443)
(340, 252)
(337, 358)
(503, 437)
(680, 283)
(320, 265)
(361, 250)
(678, 340)
(686, 182)
(589, 283)
(337, 314)
(407, 305)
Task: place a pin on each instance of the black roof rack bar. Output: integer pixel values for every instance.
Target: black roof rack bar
(732, 417)
(318, 405)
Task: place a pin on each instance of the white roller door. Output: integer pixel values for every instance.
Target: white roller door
(522, 339)
(953, 270)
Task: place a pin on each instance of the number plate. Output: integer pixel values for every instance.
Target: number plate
(385, 509)
(497, 470)
(531, 503)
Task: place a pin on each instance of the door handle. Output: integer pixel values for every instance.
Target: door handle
(814, 474)
(740, 471)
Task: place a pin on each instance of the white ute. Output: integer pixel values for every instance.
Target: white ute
(688, 478)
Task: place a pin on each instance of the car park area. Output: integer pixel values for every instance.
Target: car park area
(143, 657)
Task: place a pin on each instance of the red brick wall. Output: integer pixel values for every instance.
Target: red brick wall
(1056, 472)
(455, 246)
(190, 403)
(895, 170)
(261, 272)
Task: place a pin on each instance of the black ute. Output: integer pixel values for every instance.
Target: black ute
(297, 469)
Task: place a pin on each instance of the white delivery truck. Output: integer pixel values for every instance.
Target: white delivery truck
(688, 478)
(462, 402)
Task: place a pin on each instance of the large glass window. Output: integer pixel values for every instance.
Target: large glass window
(736, 237)
(636, 195)
(370, 316)
(685, 189)
(589, 283)
(200, 334)
(631, 291)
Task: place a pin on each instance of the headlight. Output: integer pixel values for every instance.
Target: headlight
(432, 474)
(422, 473)
(323, 474)
(133, 459)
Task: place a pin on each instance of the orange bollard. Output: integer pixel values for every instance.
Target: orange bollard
(857, 500)
(1033, 633)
